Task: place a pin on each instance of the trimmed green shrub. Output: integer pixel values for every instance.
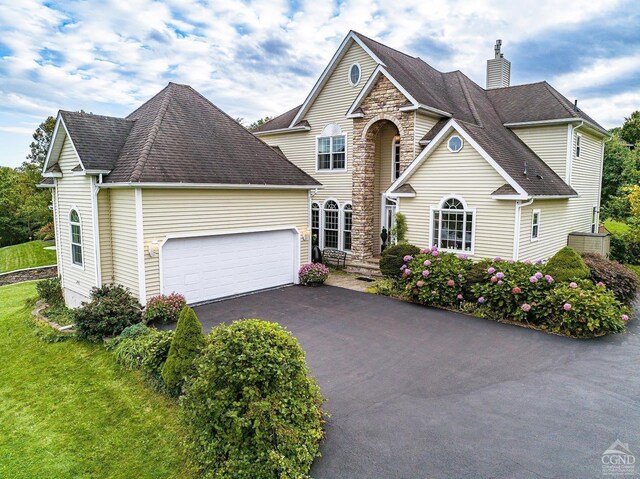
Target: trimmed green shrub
(625, 247)
(253, 409)
(112, 308)
(511, 290)
(567, 265)
(186, 345)
(386, 287)
(163, 308)
(392, 259)
(622, 281)
(156, 351)
(50, 291)
(584, 310)
(399, 229)
(435, 278)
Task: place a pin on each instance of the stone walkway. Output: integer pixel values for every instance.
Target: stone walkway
(341, 279)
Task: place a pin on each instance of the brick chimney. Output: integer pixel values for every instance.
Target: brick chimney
(498, 69)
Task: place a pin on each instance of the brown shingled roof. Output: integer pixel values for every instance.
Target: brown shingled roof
(179, 136)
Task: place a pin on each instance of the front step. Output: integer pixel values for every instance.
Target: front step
(369, 268)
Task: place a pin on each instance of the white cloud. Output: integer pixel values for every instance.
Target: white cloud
(20, 130)
(109, 56)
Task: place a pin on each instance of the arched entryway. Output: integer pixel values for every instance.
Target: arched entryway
(377, 166)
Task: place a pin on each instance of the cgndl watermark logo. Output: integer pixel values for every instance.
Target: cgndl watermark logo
(618, 460)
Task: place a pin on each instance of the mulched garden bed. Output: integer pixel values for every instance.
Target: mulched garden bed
(28, 275)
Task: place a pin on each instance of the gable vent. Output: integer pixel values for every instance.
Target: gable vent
(498, 69)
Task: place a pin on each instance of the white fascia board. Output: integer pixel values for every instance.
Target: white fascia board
(217, 186)
(510, 197)
(97, 172)
(337, 56)
(52, 175)
(453, 125)
(559, 121)
(51, 145)
(534, 197)
(400, 195)
(381, 70)
(297, 129)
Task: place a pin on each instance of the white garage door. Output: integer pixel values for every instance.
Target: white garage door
(212, 267)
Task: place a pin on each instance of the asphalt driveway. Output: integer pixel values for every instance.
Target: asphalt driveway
(415, 392)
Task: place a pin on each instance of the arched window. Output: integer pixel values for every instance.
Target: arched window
(315, 223)
(331, 148)
(331, 224)
(347, 222)
(76, 237)
(452, 225)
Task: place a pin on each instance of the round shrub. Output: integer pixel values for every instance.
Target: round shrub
(584, 310)
(625, 246)
(163, 308)
(567, 265)
(187, 343)
(156, 349)
(511, 290)
(434, 277)
(622, 281)
(313, 273)
(50, 291)
(112, 308)
(253, 409)
(392, 259)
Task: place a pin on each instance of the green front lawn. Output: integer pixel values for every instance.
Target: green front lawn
(26, 255)
(68, 411)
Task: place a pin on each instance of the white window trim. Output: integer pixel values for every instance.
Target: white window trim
(319, 222)
(331, 169)
(595, 217)
(359, 74)
(578, 147)
(323, 221)
(342, 228)
(394, 142)
(461, 143)
(71, 243)
(533, 215)
(466, 209)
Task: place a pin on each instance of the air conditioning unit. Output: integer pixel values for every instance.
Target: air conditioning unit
(590, 242)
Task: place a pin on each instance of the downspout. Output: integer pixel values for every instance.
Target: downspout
(516, 232)
(96, 229)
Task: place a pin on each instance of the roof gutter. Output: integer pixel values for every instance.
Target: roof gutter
(295, 129)
(217, 186)
(559, 121)
(420, 108)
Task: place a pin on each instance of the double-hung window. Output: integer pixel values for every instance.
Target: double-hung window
(347, 222)
(535, 224)
(332, 152)
(76, 238)
(452, 226)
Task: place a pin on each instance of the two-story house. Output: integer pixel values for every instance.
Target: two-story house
(503, 171)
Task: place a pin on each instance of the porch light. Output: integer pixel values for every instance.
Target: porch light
(396, 138)
(154, 249)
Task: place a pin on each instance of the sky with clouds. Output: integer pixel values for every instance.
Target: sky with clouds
(255, 58)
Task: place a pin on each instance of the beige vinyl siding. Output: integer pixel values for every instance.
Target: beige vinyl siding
(190, 211)
(549, 143)
(465, 174)
(74, 191)
(423, 124)
(330, 106)
(104, 231)
(558, 218)
(123, 238)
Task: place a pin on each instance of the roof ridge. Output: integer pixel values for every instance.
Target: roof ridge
(94, 115)
(560, 99)
(386, 46)
(468, 99)
(153, 133)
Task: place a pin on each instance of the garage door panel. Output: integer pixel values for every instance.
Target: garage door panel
(212, 267)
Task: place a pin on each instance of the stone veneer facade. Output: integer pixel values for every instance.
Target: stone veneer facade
(381, 106)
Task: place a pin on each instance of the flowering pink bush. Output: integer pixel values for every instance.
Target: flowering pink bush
(313, 273)
(163, 308)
